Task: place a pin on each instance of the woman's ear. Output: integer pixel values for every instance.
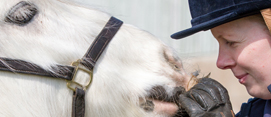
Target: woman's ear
(266, 13)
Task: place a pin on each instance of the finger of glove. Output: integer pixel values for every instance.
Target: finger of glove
(210, 90)
(223, 91)
(203, 98)
(210, 81)
(223, 94)
(190, 105)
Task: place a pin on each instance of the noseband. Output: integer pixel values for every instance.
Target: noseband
(69, 72)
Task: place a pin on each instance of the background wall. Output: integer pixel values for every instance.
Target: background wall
(165, 17)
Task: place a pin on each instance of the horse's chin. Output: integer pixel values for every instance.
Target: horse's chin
(160, 102)
(160, 107)
(168, 108)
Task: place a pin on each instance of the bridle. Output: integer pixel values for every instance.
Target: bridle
(69, 72)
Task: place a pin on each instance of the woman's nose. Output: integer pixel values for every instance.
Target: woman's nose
(224, 60)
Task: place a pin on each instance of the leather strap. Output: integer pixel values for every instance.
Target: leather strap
(67, 72)
(90, 58)
(101, 41)
(61, 71)
(78, 103)
(20, 66)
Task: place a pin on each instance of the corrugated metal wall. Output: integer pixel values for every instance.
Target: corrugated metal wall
(161, 18)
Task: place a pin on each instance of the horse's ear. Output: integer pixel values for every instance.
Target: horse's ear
(21, 13)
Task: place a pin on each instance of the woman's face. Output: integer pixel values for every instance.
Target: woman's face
(245, 48)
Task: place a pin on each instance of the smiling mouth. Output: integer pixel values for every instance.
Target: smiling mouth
(242, 78)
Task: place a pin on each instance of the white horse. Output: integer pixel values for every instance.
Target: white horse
(134, 66)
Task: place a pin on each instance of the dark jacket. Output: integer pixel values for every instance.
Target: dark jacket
(253, 108)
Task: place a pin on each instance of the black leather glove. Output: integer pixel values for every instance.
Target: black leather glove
(208, 98)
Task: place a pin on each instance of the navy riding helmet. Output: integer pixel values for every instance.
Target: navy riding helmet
(207, 14)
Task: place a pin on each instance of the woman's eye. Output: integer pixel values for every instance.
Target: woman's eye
(230, 43)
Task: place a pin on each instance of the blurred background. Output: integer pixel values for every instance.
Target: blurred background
(165, 17)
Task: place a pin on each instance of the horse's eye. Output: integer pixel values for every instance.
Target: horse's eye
(21, 13)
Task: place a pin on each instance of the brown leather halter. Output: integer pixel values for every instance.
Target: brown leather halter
(69, 72)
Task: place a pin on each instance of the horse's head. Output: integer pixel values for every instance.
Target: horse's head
(136, 75)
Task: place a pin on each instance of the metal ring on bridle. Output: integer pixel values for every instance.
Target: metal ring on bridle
(78, 68)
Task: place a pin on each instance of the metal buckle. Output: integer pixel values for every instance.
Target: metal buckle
(90, 72)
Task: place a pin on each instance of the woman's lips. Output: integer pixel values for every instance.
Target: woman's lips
(242, 78)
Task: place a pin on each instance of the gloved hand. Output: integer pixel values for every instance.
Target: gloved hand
(208, 98)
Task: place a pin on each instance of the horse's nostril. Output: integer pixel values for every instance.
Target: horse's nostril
(160, 93)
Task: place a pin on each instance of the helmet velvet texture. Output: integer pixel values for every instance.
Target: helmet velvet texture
(207, 14)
